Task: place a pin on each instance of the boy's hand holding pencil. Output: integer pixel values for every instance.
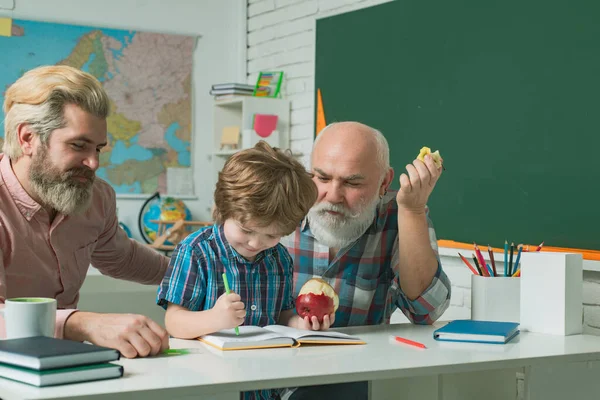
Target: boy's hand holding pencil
(229, 311)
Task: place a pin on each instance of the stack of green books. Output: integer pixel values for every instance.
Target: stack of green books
(44, 361)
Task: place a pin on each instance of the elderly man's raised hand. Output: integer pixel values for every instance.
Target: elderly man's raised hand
(417, 184)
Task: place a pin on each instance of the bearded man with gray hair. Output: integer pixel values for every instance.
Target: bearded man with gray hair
(57, 217)
(376, 247)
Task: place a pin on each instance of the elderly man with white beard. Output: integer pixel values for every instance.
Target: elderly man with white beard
(376, 247)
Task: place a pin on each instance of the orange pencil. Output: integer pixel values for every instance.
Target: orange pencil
(539, 247)
(410, 342)
(481, 260)
(491, 253)
(468, 264)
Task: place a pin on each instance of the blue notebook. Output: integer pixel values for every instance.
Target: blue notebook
(466, 330)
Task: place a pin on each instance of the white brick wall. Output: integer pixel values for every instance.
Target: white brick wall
(281, 36)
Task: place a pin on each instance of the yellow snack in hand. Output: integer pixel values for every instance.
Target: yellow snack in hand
(437, 158)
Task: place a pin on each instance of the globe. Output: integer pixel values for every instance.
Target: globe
(163, 209)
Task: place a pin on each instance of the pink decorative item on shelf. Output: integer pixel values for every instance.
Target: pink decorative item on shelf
(264, 124)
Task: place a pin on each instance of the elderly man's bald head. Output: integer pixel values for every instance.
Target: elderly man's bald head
(353, 139)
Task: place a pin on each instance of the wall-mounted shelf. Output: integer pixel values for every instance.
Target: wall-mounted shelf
(240, 111)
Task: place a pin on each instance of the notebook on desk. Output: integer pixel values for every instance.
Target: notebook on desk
(61, 376)
(43, 352)
(477, 331)
(255, 337)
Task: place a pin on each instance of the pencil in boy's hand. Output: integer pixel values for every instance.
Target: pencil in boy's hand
(468, 264)
(520, 247)
(491, 253)
(481, 260)
(226, 283)
(505, 258)
(510, 261)
(477, 265)
(539, 247)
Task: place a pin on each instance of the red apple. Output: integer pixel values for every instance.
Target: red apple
(316, 298)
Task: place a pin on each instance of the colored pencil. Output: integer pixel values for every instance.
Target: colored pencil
(226, 283)
(468, 264)
(517, 274)
(477, 265)
(410, 342)
(510, 260)
(505, 258)
(520, 247)
(491, 253)
(539, 247)
(481, 260)
(489, 270)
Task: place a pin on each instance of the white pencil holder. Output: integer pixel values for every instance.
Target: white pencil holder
(551, 293)
(495, 299)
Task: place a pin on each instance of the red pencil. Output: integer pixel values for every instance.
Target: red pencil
(491, 253)
(410, 342)
(481, 261)
(468, 264)
(539, 247)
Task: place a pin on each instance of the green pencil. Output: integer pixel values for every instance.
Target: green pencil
(237, 330)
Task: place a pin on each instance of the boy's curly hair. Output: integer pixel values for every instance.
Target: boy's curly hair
(264, 185)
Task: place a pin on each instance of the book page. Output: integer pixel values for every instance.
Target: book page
(249, 336)
(299, 334)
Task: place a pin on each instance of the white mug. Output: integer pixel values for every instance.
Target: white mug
(29, 316)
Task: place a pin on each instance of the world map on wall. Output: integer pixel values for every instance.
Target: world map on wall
(148, 78)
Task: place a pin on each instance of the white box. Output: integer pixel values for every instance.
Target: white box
(495, 299)
(551, 293)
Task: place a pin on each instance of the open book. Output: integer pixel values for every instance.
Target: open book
(255, 337)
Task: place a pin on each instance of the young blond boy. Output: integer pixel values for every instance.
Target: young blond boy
(261, 195)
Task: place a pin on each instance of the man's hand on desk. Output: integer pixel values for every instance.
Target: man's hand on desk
(133, 335)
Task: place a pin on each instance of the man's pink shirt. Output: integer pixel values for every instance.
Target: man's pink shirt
(39, 259)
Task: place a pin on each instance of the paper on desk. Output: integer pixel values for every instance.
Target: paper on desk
(247, 333)
(180, 181)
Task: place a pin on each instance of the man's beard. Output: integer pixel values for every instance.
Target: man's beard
(60, 190)
(338, 231)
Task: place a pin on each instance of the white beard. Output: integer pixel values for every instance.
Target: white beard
(338, 231)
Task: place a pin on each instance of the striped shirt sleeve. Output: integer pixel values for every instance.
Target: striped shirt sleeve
(431, 304)
(434, 300)
(184, 283)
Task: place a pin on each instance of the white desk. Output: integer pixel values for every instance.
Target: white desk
(445, 371)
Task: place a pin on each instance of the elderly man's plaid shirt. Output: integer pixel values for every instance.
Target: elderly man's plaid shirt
(363, 274)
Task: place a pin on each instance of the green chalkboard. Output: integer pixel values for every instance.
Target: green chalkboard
(508, 91)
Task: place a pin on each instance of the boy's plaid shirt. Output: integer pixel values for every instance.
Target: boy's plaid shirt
(364, 275)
